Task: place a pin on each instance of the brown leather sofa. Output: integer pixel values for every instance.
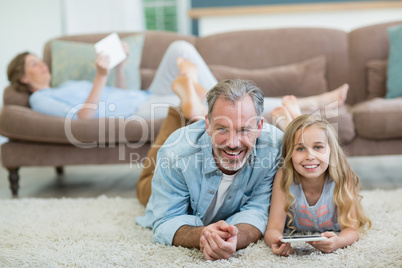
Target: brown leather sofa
(278, 60)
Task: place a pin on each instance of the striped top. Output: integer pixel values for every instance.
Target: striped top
(321, 217)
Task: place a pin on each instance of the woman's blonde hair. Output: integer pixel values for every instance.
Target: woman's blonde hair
(347, 184)
(16, 70)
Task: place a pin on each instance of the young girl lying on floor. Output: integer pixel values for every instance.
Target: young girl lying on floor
(315, 190)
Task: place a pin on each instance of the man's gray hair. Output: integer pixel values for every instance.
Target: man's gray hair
(234, 90)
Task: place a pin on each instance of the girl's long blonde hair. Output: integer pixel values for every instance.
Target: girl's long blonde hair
(347, 184)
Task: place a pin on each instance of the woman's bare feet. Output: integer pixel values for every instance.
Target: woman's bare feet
(291, 105)
(341, 93)
(281, 117)
(191, 105)
(319, 102)
(338, 95)
(189, 69)
(200, 90)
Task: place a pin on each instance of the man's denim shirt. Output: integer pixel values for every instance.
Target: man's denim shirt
(186, 179)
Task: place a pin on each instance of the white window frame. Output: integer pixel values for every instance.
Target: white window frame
(182, 19)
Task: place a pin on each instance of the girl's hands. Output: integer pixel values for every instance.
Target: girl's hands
(102, 63)
(282, 249)
(327, 245)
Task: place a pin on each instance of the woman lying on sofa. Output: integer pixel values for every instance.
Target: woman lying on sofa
(28, 73)
(85, 99)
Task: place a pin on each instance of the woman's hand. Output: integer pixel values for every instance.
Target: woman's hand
(126, 49)
(102, 64)
(120, 77)
(281, 249)
(87, 110)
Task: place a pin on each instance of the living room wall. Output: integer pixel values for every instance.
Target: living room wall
(24, 25)
(28, 25)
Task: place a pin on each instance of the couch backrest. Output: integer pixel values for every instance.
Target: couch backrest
(365, 44)
(155, 45)
(274, 47)
(85, 38)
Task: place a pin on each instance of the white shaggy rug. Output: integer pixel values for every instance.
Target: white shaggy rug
(101, 232)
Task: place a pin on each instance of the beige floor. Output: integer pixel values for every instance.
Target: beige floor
(383, 172)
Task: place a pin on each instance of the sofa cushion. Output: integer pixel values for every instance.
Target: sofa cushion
(21, 123)
(378, 118)
(364, 44)
(76, 61)
(394, 78)
(376, 78)
(304, 78)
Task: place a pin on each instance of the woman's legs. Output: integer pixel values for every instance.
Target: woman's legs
(318, 102)
(313, 103)
(172, 122)
(168, 68)
(291, 104)
(283, 115)
(293, 107)
(191, 104)
(189, 69)
(191, 109)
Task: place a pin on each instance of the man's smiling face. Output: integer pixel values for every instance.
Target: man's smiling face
(234, 128)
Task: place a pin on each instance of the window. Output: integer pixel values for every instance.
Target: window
(161, 15)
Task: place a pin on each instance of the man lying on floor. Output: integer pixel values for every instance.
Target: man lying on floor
(213, 179)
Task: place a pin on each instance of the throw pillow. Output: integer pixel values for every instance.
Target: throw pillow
(376, 78)
(301, 79)
(76, 61)
(394, 79)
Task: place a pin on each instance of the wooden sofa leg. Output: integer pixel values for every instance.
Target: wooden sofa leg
(14, 178)
(59, 170)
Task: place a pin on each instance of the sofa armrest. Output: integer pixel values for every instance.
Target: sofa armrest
(13, 97)
(379, 118)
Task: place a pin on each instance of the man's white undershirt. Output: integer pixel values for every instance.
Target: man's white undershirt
(219, 197)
